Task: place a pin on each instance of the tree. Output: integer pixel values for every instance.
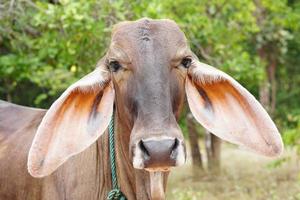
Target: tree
(194, 143)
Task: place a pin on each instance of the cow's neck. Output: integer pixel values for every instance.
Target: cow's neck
(135, 184)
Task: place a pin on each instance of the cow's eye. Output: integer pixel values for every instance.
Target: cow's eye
(186, 62)
(114, 66)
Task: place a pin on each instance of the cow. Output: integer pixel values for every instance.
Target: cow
(142, 81)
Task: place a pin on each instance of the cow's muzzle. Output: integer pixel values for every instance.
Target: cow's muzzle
(158, 154)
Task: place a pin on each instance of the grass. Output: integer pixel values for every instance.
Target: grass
(243, 176)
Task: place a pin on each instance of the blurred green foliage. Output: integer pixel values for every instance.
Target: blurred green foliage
(47, 45)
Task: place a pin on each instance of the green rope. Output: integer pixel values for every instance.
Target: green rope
(115, 193)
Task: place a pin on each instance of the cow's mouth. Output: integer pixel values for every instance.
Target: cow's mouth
(158, 169)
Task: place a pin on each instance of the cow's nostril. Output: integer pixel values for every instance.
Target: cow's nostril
(144, 150)
(175, 145)
(174, 151)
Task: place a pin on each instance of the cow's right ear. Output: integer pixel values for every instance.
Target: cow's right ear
(73, 122)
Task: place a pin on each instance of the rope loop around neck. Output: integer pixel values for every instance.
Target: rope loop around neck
(115, 193)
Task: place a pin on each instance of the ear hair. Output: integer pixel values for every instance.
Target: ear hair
(204, 74)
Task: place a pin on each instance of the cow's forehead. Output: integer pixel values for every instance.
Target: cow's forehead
(145, 23)
(130, 34)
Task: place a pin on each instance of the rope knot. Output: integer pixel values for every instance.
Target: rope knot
(115, 194)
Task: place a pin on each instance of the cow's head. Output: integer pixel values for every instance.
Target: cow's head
(146, 73)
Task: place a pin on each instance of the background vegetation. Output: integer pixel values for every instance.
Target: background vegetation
(47, 45)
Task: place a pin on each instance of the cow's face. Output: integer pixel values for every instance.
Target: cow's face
(146, 73)
(148, 61)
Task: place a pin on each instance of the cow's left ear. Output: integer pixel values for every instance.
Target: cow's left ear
(228, 110)
(73, 122)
